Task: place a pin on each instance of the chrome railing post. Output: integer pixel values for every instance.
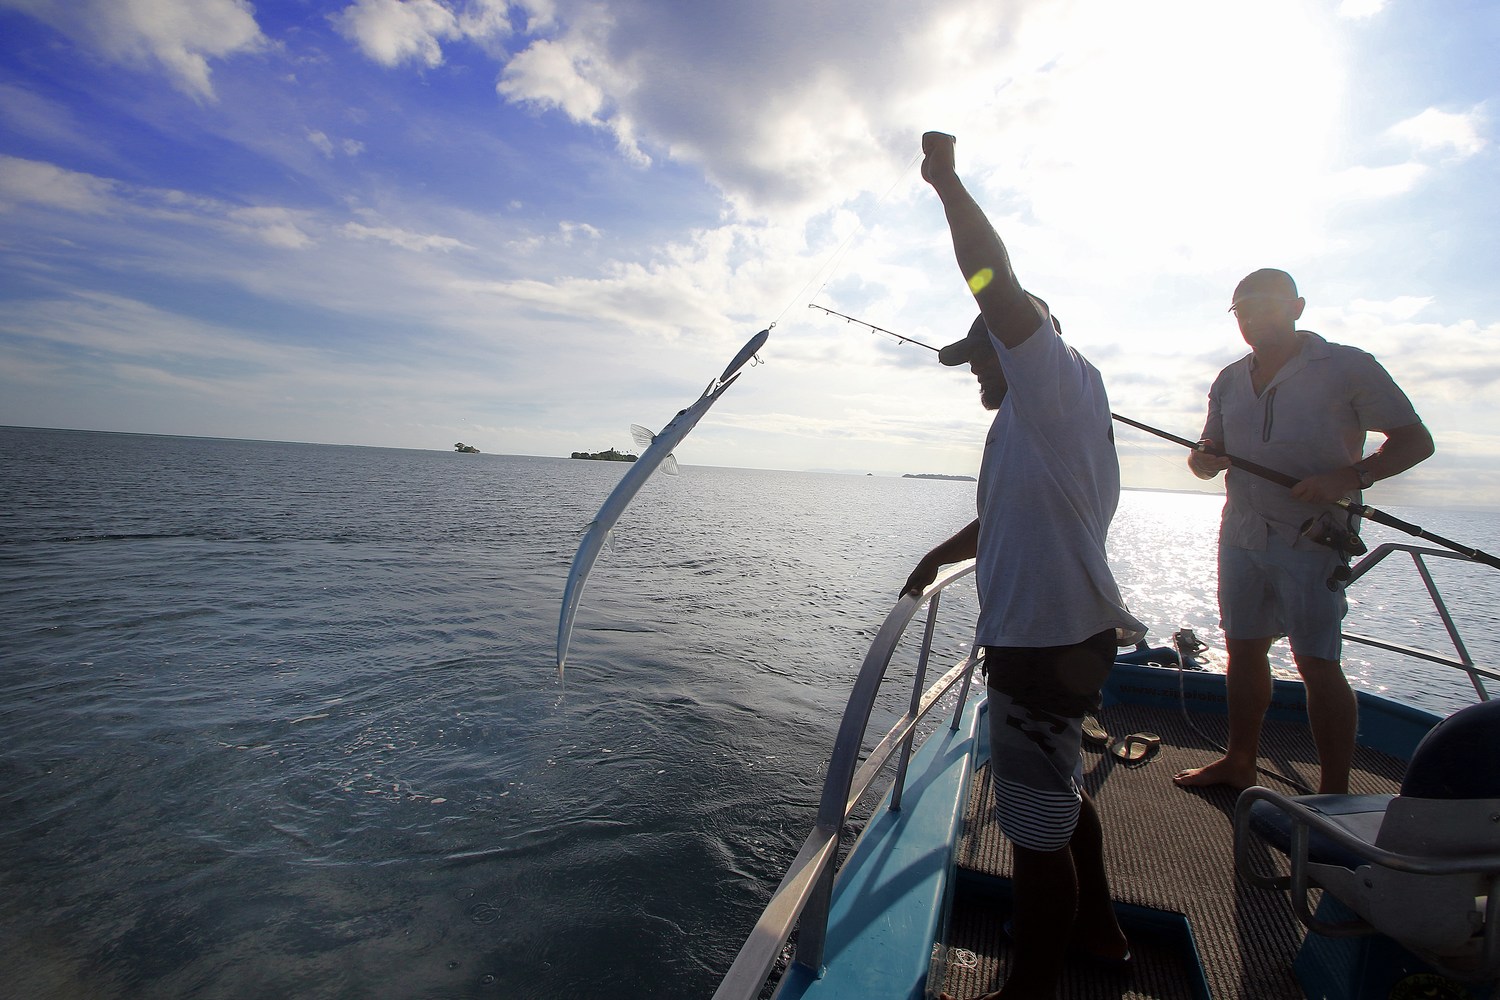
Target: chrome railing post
(1453, 636)
(963, 694)
(812, 934)
(916, 701)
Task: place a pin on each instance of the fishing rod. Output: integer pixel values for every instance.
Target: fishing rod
(872, 326)
(1362, 510)
(1270, 475)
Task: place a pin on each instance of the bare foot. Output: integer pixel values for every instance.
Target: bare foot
(1221, 772)
(1105, 943)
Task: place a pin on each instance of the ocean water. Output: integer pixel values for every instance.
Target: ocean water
(284, 719)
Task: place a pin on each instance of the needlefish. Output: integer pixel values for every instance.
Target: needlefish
(658, 453)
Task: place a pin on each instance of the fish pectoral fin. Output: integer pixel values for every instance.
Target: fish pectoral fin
(669, 465)
(643, 436)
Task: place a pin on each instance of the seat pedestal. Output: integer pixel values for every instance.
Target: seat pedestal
(1372, 966)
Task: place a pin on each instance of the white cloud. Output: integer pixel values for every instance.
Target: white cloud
(1359, 10)
(392, 32)
(1401, 308)
(791, 107)
(483, 20)
(29, 182)
(567, 75)
(324, 144)
(30, 114)
(395, 31)
(34, 183)
(179, 35)
(1443, 130)
(328, 147)
(401, 238)
(1374, 183)
(278, 227)
(130, 330)
(571, 229)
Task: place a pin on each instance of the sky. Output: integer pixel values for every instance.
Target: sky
(528, 225)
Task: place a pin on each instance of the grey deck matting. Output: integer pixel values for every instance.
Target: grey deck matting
(1166, 848)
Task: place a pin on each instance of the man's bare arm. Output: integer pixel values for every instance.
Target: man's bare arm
(981, 255)
(1402, 448)
(963, 545)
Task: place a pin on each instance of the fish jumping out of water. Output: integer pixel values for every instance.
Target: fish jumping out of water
(658, 453)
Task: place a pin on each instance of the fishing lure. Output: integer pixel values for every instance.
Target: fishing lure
(657, 453)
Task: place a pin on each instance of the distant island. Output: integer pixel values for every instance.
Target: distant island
(934, 475)
(467, 449)
(605, 456)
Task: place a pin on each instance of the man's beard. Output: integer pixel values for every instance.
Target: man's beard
(991, 394)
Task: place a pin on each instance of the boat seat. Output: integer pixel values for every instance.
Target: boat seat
(1421, 867)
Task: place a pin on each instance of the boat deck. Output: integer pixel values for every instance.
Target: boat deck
(1168, 849)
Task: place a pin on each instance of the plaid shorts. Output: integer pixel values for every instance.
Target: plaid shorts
(1038, 697)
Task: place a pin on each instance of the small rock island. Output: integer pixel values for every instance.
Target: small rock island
(467, 449)
(935, 475)
(606, 456)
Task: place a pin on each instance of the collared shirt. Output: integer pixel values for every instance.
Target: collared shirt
(1312, 418)
(1048, 488)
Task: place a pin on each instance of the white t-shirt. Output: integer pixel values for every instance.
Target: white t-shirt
(1048, 488)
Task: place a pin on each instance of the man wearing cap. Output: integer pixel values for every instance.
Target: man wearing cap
(1050, 613)
(1299, 405)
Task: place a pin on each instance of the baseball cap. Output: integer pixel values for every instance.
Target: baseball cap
(978, 338)
(959, 352)
(1266, 283)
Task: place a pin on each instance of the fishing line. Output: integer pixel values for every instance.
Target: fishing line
(835, 259)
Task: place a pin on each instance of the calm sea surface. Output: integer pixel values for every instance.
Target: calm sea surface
(284, 720)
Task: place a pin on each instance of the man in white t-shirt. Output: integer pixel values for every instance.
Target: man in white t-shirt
(1050, 613)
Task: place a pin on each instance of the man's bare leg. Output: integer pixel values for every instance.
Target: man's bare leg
(1096, 930)
(1061, 898)
(1333, 715)
(1248, 686)
(1046, 900)
(1045, 885)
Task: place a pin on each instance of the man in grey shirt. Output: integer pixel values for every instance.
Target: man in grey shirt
(1302, 406)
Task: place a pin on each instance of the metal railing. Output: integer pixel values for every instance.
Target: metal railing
(804, 896)
(806, 891)
(1464, 661)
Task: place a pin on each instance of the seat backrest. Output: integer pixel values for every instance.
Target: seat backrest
(1459, 758)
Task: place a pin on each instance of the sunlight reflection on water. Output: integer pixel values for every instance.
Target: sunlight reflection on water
(1163, 550)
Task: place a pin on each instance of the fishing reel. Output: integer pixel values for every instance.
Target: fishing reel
(1325, 530)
